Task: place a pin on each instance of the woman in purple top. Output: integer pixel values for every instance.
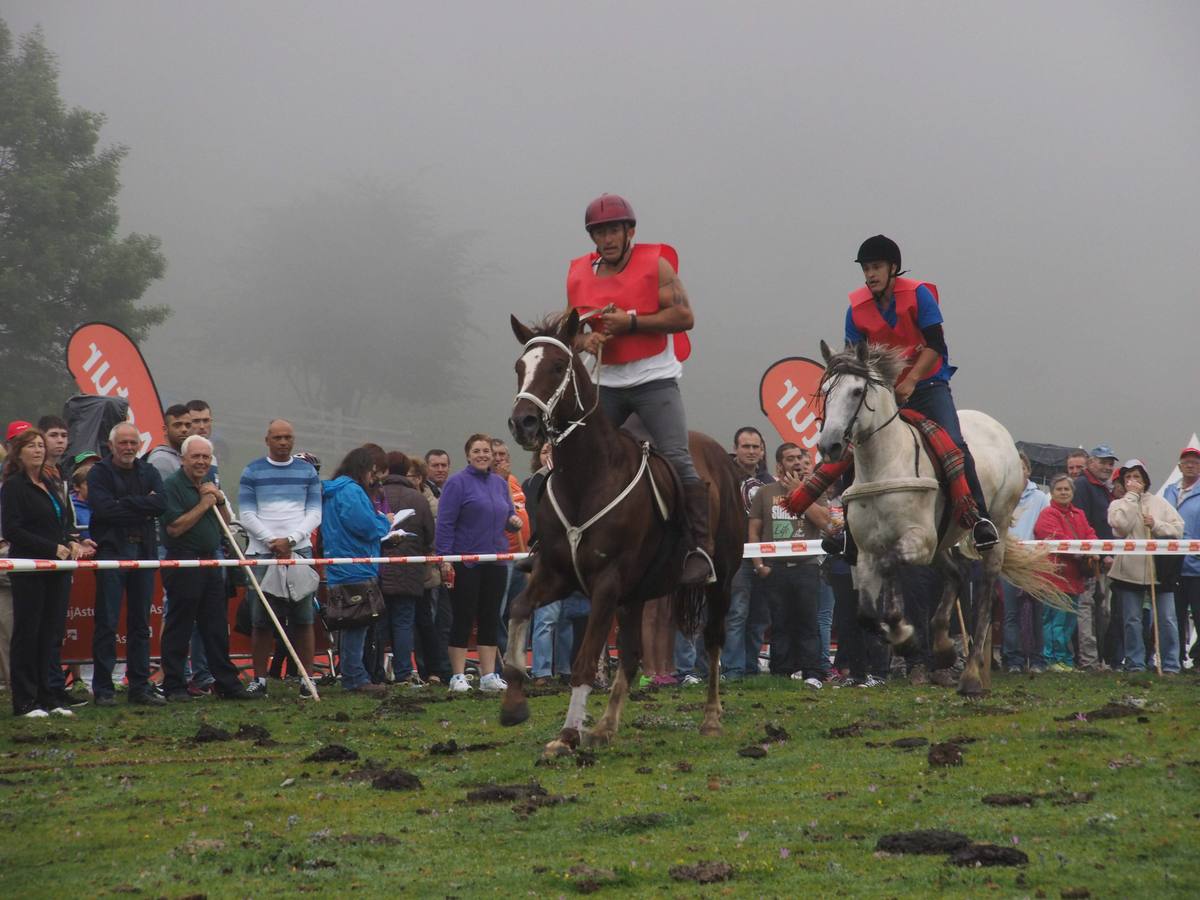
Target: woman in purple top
(474, 511)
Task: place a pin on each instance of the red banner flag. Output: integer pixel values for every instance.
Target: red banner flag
(788, 397)
(104, 361)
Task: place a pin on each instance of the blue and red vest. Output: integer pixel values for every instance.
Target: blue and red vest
(906, 335)
(634, 288)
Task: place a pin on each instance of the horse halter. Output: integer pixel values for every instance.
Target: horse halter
(862, 400)
(548, 406)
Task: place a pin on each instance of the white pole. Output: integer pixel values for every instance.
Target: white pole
(308, 683)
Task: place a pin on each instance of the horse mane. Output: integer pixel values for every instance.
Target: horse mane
(882, 366)
(547, 325)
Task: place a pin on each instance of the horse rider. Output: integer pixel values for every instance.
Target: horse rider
(639, 331)
(905, 314)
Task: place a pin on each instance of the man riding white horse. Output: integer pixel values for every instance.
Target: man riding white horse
(640, 316)
(905, 314)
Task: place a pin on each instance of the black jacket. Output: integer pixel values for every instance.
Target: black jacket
(29, 522)
(401, 578)
(125, 509)
(1094, 499)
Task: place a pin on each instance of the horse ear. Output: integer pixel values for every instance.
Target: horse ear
(570, 327)
(826, 353)
(861, 350)
(521, 330)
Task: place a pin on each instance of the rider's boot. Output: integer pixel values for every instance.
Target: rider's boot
(526, 565)
(983, 532)
(698, 566)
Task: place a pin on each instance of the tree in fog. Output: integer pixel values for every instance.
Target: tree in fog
(61, 260)
(353, 294)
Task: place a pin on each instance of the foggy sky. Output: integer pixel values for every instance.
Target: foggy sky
(1037, 161)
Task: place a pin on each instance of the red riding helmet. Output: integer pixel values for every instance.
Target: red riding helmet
(608, 208)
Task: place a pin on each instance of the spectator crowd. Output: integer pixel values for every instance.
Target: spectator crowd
(416, 625)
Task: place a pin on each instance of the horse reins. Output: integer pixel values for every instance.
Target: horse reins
(548, 406)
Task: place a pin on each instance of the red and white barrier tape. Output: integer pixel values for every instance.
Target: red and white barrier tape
(1158, 546)
(1115, 547)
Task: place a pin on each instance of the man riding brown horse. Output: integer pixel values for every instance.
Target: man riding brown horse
(639, 318)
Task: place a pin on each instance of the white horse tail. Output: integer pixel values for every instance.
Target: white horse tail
(1029, 569)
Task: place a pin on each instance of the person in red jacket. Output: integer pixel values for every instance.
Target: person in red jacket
(642, 316)
(1060, 521)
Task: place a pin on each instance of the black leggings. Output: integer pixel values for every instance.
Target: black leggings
(39, 613)
(477, 594)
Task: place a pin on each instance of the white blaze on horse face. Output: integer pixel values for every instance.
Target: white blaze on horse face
(531, 360)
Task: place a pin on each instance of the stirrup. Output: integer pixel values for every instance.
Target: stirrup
(526, 565)
(984, 534)
(712, 569)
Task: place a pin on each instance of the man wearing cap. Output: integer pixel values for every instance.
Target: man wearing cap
(1097, 623)
(1184, 495)
(640, 328)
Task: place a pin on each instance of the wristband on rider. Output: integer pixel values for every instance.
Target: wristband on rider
(633, 321)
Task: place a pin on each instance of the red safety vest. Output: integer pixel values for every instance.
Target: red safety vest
(906, 335)
(634, 288)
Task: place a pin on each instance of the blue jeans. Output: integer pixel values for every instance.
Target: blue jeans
(136, 587)
(350, 648)
(401, 613)
(935, 401)
(552, 635)
(825, 622)
(1135, 625)
(733, 655)
(691, 656)
(1058, 627)
(1015, 654)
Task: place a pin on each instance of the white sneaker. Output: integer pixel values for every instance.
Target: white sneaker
(871, 682)
(690, 680)
(492, 683)
(815, 683)
(35, 714)
(61, 711)
(459, 684)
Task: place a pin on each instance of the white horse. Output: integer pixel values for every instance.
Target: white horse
(895, 505)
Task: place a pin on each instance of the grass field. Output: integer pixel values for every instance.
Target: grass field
(126, 801)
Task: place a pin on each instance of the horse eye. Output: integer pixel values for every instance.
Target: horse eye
(559, 368)
(857, 392)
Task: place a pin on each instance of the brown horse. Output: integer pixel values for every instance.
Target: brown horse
(610, 526)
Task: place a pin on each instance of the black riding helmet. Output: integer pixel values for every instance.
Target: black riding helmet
(879, 249)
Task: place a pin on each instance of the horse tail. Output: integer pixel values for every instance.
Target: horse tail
(1030, 569)
(687, 608)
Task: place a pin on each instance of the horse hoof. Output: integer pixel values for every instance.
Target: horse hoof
(710, 729)
(970, 687)
(598, 738)
(514, 716)
(556, 748)
(945, 655)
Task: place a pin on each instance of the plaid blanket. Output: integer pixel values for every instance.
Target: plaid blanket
(947, 459)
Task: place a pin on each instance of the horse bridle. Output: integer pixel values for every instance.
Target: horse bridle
(861, 403)
(548, 406)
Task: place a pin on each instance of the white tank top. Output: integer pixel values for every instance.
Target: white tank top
(642, 371)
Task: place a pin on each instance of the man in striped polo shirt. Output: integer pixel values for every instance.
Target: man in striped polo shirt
(279, 505)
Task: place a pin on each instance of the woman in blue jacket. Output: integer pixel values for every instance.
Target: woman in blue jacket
(351, 526)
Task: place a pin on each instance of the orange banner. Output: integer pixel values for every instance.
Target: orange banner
(788, 397)
(105, 361)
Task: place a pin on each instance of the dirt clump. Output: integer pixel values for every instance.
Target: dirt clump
(1009, 799)
(584, 758)
(588, 879)
(961, 739)
(945, 755)
(931, 840)
(332, 753)
(753, 752)
(207, 734)
(252, 733)
(1075, 893)
(396, 780)
(988, 855)
(776, 732)
(855, 729)
(910, 743)
(702, 872)
(1107, 711)
(683, 766)
(505, 793)
(46, 737)
(451, 747)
